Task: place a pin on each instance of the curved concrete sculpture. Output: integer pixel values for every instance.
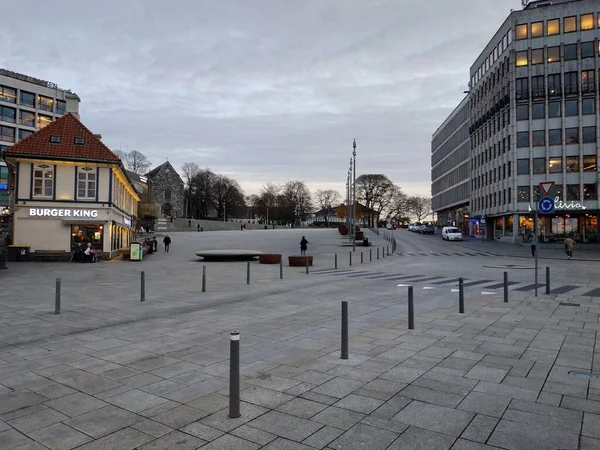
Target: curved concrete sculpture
(228, 255)
(269, 258)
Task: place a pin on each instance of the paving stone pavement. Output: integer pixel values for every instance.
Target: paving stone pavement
(496, 377)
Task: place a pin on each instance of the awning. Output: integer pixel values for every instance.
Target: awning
(78, 220)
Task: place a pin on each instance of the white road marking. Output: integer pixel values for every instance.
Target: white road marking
(454, 290)
(488, 293)
(428, 288)
(404, 285)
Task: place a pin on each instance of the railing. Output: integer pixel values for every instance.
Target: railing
(390, 238)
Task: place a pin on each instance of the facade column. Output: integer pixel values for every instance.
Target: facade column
(515, 236)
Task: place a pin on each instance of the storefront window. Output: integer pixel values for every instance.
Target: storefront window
(508, 229)
(499, 227)
(83, 234)
(589, 228)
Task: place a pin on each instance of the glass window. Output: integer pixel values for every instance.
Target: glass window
(588, 81)
(24, 133)
(523, 166)
(571, 107)
(8, 94)
(43, 182)
(553, 27)
(556, 191)
(571, 83)
(522, 58)
(537, 29)
(61, 107)
(27, 118)
(570, 52)
(523, 194)
(521, 31)
(539, 165)
(587, 49)
(7, 134)
(27, 99)
(553, 54)
(43, 120)
(554, 109)
(537, 111)
(79, 141)
(522, 112)
(82, 234)
(572, 192)
(590, 192)
(588, 105)
(571, 136)
(522, 88)
(538, 138)
(590, 163)
(587, 22)
(554, 87)
(555, 165)
(8, 114)
(570, 24)
(555, 136)
(537, 56)
(523, 139)
(86, 184)
(537, 86)
(45, 103)
(588, 134)
(572, 164)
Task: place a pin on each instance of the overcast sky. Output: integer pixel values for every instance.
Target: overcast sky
(261, 90)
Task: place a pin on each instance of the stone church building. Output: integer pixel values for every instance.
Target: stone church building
(166, 190)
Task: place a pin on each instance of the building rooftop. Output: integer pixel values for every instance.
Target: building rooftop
(39, 82)
(529, 4)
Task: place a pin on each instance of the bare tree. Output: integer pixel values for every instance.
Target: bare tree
(296, 198)
(399, 206)
(134, 161)
(190, 170)
(269, 199)
(325, 198)
(227, 197)
(201, 193)
(375, 191)
(420, 207)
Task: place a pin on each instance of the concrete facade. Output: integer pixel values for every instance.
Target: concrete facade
(166, 190)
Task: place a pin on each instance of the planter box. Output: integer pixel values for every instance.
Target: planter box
(359, 235)
(300, 261)
(269, 258)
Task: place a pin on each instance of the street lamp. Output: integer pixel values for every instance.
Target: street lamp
(354, 198)
(350, 202)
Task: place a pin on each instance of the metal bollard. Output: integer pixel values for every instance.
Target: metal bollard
(335, 260)
(57, 297)
(361, 257)
(281, 268)
(383, 252)
(350, 258)
(370, 254)
(411, 309)
(203, 278)
(344, 330)
(306, 265)
(377, 252)
(461, 297)
(143, 287)
(505, 287)
(547, 280)
(388, 250)
(248, 273)
(234, 375)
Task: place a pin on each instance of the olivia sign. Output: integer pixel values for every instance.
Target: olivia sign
(559, 204)
(60, 212)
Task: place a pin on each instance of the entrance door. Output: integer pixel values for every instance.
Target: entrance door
(167, 209)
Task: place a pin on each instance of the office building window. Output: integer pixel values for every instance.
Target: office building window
(554, 109)
(43, 182)
(590, 163)
(523, 194)
(588, 134)
(555, 136)
(537, 86)
(571, 107)
(539, 165)
(523, 166)
(522, 112)
(553, 54)
(587, 49)
(571, 83)
(537, 29)
(43, 120)
(521, 59)
(27, 118)
(86, 183)
(570, 52)
(588, 81)
(537, 111)
(61, 107)
(7, 134)
(24, 133)
(571, 136)
(45, 103)
(586, 22)
(8, 94)
(523, 139)
(572, 192)
(555, 165)
(521, 32)
(538, 138)
(570, 24)
(522, 88)
(27, 99)
(588, 105)
(572, 164)
(8, 114)
(537, 56)
(554, 87)
(590, 191)
(553, 27)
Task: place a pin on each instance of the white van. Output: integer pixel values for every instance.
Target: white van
(451, 234)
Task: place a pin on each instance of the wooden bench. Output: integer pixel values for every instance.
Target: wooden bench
(50, 255)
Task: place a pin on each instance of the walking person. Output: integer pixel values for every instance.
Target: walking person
(198, 227)
(303, 246)
(190, 223)
(167, 243)
(569, 246)
(533, 244)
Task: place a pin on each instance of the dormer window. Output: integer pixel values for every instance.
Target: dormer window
(79, 141)
(55, 139)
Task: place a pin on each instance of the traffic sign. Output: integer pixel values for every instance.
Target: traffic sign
(546, 205)
(546, 186)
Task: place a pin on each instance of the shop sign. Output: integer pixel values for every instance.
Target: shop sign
(559, 204)
(60, 212)
(127, 221)
(134, 252)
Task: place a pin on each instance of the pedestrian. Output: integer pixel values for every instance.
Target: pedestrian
(532, 243)
(198, 227)
(569, 246)
(167, 243)
(303, 246)
(190, 223)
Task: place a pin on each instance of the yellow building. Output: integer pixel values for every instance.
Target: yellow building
(69, 188)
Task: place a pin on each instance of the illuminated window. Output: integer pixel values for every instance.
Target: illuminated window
(43, 120)
(555, 165)
(521, 32)
(537, 56)
(555, 136)
(553, 27)
(570, 24)
(43, 181)
(537, 29)
(45, 103)
(522, 58)
(523, 193)
(572, 164)
(523, 139)
(587, 22)
(590, 163)
(8, 94)
(538, 138)
(553, 54)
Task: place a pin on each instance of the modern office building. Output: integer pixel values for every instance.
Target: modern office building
(534, 118)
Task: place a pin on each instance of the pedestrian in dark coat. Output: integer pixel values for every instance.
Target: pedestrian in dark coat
(303, 246)
(167, 243)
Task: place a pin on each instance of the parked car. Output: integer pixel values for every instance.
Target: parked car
(451, 234)
(427, 229)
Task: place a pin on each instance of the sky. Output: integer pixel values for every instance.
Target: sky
(261, 90)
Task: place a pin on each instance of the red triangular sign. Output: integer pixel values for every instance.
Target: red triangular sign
(546, 186)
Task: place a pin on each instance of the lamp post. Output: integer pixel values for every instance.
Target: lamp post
(350, 203)
(354, 198)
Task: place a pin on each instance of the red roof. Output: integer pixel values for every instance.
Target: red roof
(68, 127)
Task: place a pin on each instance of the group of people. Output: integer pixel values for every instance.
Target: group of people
(84, 254)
